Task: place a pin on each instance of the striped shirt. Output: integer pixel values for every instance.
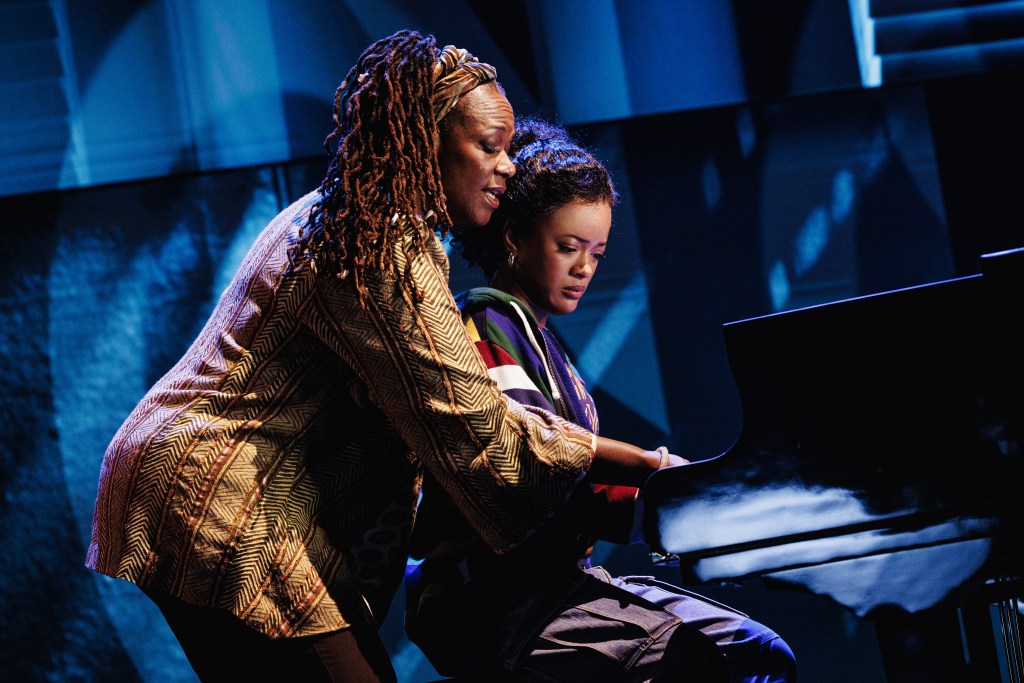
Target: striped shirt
(529, 365)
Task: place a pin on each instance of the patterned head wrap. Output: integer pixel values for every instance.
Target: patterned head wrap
(457, 72)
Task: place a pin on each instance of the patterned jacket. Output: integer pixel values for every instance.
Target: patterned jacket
(274, 470)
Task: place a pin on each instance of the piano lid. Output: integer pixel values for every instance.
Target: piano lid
(876, 425)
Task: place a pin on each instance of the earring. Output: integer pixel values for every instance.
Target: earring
(511, 258)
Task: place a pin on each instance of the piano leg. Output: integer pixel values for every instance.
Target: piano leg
(1009, 623)
(983, 658)
(924, 647)
(975, 643)
(992, 628)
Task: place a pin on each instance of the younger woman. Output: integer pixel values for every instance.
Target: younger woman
(540, 612)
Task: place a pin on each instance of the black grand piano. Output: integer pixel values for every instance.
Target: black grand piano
(880, 464)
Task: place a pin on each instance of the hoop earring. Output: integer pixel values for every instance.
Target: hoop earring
(511, 258)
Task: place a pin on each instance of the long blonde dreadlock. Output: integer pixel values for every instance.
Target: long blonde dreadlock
(384, 163)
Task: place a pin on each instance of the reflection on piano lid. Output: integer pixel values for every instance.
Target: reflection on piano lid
(880, 456)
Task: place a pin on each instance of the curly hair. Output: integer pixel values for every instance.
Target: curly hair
(384, 162)
(552, 170)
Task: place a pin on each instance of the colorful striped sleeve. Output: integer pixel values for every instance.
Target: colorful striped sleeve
(510, 358)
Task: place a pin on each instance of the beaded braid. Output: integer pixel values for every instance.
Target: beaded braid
(384, 163)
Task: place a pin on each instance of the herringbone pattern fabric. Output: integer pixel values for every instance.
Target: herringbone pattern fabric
(274, 470)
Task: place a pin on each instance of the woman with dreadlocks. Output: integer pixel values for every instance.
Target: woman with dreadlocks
(262, 492)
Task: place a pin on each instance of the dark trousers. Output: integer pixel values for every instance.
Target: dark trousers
(220, 647)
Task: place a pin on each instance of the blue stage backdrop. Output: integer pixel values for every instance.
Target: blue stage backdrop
(104, 287)
(146, 143)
